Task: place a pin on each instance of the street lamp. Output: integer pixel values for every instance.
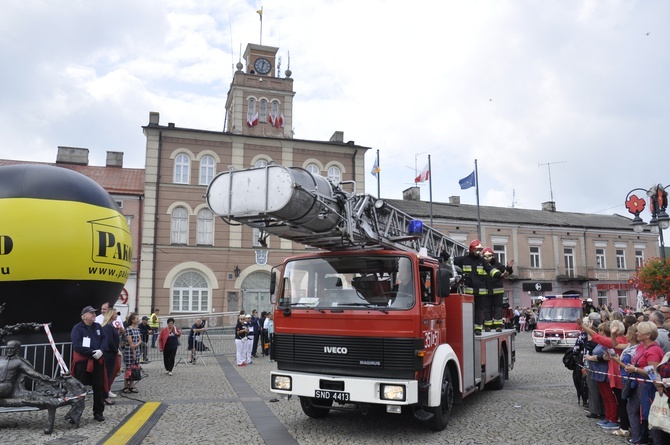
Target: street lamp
(658, 203)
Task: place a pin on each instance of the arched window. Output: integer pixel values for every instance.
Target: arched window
(190, 293)
(261, 163)
(206, 170)
(313, 169)
(251, 109)
(179, 233)
(182, 169)
(334, 174)
(205, 226)
(263, 114)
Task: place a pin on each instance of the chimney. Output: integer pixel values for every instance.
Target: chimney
(454, 200)
(154, 117)
(114, 159)
(72, 155)
(412, 194)
(549, 206)
(338, 136)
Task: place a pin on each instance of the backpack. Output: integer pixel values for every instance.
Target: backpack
(569, 360)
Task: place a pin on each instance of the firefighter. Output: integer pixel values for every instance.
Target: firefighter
(496, 290)
(475, 270)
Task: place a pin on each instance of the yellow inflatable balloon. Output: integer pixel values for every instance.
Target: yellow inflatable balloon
(64, 245)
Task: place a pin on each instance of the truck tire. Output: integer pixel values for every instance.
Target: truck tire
(315, 412)
(538, 348)
(442, 412)
(499, 382)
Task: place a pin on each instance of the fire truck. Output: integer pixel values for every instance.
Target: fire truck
(371, 314)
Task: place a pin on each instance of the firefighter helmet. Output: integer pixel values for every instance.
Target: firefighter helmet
(487, 251)
(475, 245)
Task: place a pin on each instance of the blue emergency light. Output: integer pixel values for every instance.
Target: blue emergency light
(415, 227)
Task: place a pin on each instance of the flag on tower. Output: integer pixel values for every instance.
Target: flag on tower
(260, 13)
(423, 177)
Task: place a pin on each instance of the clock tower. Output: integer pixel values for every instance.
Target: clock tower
(260, 101)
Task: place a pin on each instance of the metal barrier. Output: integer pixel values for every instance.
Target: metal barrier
(42, 358)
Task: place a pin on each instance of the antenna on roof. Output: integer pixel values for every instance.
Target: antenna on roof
(548, 164)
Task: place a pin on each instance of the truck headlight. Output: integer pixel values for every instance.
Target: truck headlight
(282, 382)
(538, 333)
(393, 392)
(573, 334)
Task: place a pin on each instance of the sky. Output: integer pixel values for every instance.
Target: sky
(565, 99)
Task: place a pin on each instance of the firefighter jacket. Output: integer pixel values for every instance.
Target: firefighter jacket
(475, 273)
(495, 284)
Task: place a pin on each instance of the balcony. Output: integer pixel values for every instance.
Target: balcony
(572, 274)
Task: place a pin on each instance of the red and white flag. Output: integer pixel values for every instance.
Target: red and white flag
(279, 122)
(423, 177)
(271, 119)
(252, 120)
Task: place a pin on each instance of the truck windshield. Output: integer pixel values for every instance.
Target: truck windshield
(566, 314)
(349, 282)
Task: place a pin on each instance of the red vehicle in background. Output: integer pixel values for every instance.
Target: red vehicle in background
(557, 322)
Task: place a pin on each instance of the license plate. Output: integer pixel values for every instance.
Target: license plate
(331, 395)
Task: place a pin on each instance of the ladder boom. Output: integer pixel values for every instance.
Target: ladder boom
(293, 204)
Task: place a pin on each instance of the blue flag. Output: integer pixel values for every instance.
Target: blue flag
(468, 181)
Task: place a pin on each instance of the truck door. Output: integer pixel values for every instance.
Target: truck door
(432, 312)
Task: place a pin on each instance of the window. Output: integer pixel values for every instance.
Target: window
(182, 169)
(499, 252)
(190, 293)
(639, 259)
(620, 259)
(179, 226)
(313, 169)
(205, 228)
(257, 236)
(274, 111)
(535, 257)
(569, 261)
(602, 298)
(251, 111)
(263, 114)
(261, 163)
(334, 174)
(600, 258)
(623, 298)
(206, 170)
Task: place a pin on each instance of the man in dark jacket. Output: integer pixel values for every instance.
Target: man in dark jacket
(257, 332)
(496, 290)
(88, 365)
(475, 270)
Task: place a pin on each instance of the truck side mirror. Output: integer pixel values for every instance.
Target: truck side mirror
(444, 276)
(273, 282)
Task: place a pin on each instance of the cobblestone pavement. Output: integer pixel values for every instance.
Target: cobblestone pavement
(216, 402)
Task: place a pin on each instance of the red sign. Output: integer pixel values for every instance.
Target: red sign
(613, 286)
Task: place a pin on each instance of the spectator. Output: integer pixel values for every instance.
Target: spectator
(88, 366)
(145, 331)
(154, 324)
(241, 340)
(168, 342)
(596, 408)
(195, 339)
(118, 321)
(131, 355)
(251, 333)
(270, 330)
(658, 319)
(264, 333)
(663, 372)
(257, 332)
(110, 353)
(599, 369)
(648, 353)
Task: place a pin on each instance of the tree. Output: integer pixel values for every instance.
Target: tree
(653, 278)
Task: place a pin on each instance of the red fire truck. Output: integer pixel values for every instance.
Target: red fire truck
(374, 316)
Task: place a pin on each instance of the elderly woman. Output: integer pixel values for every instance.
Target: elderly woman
(131, 355)
(241, 331)
(648, 353)
(168, 342)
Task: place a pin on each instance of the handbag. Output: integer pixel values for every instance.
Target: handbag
(133, 373)
(659, 413)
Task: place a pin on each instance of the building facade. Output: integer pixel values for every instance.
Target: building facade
(193, 262)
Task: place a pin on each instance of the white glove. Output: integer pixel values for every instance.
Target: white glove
(97, 354)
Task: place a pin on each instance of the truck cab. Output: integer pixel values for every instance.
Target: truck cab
(557, 322)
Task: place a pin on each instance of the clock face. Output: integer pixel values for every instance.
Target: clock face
(262, 66)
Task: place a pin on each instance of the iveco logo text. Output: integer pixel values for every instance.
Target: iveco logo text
(334, 350)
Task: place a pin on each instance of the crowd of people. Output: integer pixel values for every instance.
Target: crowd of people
(624, 357)
(250, 332)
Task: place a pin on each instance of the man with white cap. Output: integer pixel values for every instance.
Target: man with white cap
(250, 338)
(88, 366)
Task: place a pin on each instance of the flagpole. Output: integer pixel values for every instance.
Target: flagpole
(261, 14)
(378, 177)
(479, 219)
(430, 191)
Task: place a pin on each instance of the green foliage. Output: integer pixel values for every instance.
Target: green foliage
(653, 278)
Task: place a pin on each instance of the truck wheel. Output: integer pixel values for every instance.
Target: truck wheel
(313, 411)
(538, 348)
(442, 412)
(499, 381)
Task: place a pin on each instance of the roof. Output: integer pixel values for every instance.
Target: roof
(512, 215)
(117, 180)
